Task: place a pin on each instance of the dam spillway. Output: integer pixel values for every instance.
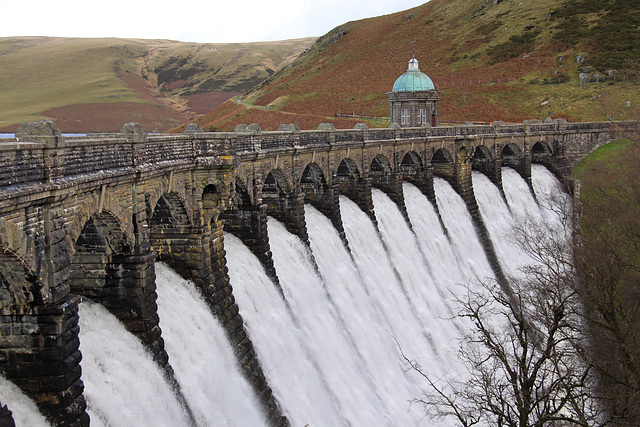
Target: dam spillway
(96, 228)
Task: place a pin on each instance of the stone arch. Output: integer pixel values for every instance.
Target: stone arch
(380, 167)
(411, 164)
(275, 184)
(94, 266)
(169, 211)
(313, 183)
(347, 171)
(483, 161)
(441, 156)
(103, 233)
(18, 284)
(284, 204)
(540, 152)
(89, 207)
(212, 196)
(412, 169)
(443, 164)
(511, 155)
(481, 156)
(168, 222)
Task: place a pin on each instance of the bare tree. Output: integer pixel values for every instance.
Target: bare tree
(523, 352)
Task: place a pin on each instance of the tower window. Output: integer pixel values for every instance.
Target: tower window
(405, 116)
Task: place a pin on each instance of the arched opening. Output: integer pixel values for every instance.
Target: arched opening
(240, 214)
(510, 152)
(211, 193)
(411, 167)
(482, 160)
(168, 224)
(313, 183)
(96, 263)
(275, 185)
(276, 193)
(411, 160)
(443, 165)
(169, 212)
(441, 156)
(540, 152)
(380, 167)
(511, 156)
(347, 171)
(481, 156)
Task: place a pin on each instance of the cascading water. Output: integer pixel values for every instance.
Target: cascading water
(123, 385)
(469, 252)
(284, 353)
(25, 411)
(500, 218)
(349, 316)
(522, 212)
(331, 350)
(200, 354)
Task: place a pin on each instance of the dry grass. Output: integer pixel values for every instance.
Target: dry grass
(52, 78)
(453, 39)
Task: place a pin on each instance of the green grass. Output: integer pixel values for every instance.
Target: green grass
(605, 157)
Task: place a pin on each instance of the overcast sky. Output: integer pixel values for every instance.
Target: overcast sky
(204, 21)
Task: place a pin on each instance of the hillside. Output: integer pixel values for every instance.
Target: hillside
(511, 61)
(100, 84)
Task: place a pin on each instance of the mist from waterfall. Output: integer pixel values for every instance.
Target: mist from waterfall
(201, 356)
(123, 385)
(25, 412)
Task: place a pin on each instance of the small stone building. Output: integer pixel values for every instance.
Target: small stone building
(414, 99)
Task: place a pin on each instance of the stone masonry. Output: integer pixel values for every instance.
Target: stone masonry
(84, 217)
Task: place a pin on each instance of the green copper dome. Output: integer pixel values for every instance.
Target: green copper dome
(413, 80)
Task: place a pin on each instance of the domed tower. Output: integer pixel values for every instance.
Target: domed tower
(414, 99)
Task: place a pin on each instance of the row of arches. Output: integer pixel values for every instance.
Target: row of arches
(103, 234)
(313, 182)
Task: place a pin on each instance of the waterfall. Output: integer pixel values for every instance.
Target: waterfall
(331, 343)
(493, 207)
(25, 412)
(286, 358)
(123, 385)
(468, 249)
(348, 314)
(201, 356)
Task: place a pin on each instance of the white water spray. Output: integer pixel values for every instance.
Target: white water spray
(286, 358)
(25, 412)
(201, 357)
(471, 258)
(329, 352)
(123, 385)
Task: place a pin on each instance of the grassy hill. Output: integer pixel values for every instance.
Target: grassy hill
(100, 84)
(511, 61)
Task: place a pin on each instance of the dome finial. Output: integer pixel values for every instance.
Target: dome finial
(413, 62)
